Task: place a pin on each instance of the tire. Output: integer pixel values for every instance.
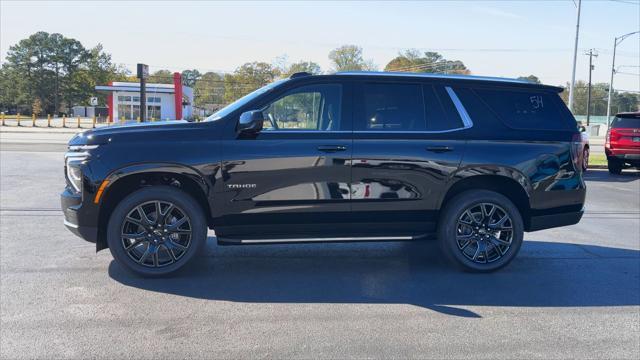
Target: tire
(585, 159)
(157, 246)
(614, 166)
(500, 247)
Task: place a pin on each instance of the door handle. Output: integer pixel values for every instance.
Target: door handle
(439, 149)
(331, 148)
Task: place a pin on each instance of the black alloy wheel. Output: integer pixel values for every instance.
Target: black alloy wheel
(156, 230)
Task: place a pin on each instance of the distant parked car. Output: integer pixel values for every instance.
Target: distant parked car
(622, 144)
(584, 135)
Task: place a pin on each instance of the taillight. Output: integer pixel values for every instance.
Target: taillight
(613, 137)
(576, 151)
(607, 139)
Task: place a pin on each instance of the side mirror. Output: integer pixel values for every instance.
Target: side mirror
(582, 128)
(250, 122)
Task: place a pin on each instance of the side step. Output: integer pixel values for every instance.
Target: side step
(234, 241)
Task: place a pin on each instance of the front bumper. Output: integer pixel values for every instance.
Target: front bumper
(71, 204)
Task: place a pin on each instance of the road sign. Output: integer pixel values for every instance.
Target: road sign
(93, 101)
(143, 71)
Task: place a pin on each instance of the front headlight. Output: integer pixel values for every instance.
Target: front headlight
(74, 176)
(73, 159)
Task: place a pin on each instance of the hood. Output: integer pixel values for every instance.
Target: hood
(138, 131)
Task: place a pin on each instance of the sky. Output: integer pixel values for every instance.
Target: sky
(493, 38)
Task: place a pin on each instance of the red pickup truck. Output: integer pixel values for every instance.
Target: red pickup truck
(622, 144)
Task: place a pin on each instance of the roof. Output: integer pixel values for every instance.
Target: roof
(135, 87)
(150, 89)
(632, 114)
(445, 76)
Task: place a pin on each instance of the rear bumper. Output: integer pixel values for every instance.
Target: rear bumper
(542, 222)
(623, 153)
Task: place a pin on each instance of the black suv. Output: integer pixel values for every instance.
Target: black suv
(345, 157)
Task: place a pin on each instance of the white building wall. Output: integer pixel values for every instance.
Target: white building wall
(167, 102)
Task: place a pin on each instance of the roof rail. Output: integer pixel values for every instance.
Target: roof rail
(299, 74)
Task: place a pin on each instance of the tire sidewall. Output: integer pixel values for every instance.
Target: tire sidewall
(448, 222)
(163, 193)
(585, 159)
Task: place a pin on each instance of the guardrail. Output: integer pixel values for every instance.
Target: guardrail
(62, 122)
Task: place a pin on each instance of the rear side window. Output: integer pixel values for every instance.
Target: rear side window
(441, 112)
(626, 122)
(537, 110)
(392, 107)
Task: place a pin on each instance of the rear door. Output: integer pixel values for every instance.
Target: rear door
(292, 179)
(408, 141)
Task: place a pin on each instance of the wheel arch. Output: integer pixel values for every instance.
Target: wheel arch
(501, 184)
(124, 181)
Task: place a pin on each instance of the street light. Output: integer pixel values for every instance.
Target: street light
(575, 56)
(616, 41)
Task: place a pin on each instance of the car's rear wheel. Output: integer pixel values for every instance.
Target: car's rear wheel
(614, 166)
(585, 158)
(156, 230)
(480, 230)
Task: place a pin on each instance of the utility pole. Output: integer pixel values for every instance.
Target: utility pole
(616, 41)
(143, 74)
(591, 54)
(575, 58)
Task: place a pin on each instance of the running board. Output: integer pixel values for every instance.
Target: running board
(229, 241)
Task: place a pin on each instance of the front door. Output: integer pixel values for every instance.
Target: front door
(292, 179)
(407, 144)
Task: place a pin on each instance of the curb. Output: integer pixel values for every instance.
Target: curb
(599, 167)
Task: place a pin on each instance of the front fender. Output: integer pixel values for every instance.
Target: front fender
(158, 167)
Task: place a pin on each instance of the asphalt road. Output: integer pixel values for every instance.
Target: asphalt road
(572, 292)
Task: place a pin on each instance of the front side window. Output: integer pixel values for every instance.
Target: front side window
(312, 107)
(392, 107)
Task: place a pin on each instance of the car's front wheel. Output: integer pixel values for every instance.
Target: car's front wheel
(480, 230)
(156, 230)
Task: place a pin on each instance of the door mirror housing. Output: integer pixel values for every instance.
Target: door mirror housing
(250, 122)
(581, 128)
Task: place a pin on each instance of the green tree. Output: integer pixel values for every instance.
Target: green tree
(209, 91)
(620, 101)
(350, 58)
(36, 108)
(302, 66)
(190, 77)
(248, 78)
(97, 70)
(47, 62)
(161, 77)
(413, 60)
(531, 78)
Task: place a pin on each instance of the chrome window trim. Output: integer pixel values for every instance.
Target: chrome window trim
(408, 131)
(466, 119)
(305, 132)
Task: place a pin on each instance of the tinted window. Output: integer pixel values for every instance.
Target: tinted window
(626, 122)
(526, 109)
(441, 113)
(313, 107)
(392, 107)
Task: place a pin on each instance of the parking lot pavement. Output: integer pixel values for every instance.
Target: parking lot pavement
(573, 292)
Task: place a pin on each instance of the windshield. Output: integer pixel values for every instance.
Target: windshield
(242, 101)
